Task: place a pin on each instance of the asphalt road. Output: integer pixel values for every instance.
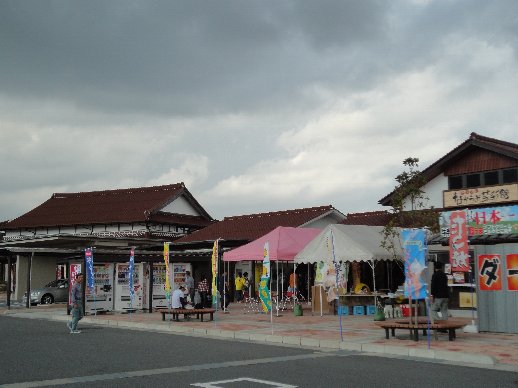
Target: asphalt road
(43, 353)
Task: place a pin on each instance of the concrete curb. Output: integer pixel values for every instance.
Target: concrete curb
(375, 349)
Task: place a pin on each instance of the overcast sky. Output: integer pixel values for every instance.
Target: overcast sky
(256, 105)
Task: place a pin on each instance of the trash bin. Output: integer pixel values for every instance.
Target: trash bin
(297, 310)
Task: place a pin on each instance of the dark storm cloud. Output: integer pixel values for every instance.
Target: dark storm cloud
(180, 57)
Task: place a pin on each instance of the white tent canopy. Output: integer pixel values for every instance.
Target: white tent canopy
(351, 243)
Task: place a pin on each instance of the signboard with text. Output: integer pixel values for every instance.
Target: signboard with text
(481, 196)
(512, 272)
(485, 221)
(490, 272)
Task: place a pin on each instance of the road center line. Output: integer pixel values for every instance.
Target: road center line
(151, 372)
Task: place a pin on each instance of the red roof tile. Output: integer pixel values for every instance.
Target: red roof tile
(109, 206)
(252, 226)
(375, 218)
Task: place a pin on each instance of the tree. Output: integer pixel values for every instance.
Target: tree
(409, 205)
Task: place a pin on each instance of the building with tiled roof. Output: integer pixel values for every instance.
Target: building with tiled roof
(479, 161)
(168, 211)
(245, 228)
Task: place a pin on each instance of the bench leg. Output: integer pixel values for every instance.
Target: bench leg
(451, 334)
(387, 333)
(393, 332)
(163, 316)
(211, 316)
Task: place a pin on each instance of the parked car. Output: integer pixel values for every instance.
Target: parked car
(55, 291)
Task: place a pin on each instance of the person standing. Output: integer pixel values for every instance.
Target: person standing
(189, 284)
(240, 283)
(440, 293)
(203, 289)
(77, 304)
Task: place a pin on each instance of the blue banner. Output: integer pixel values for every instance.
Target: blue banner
(414, 245)
(89, 267)
(131, 270)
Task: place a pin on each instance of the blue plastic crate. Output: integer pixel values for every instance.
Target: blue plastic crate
(371, 309)
(359, 310)
(343, 310)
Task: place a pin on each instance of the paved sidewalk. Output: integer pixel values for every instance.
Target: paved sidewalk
(359, 333)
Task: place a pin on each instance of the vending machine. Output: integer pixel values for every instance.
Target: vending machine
(101, 297)
(179, 274)
(122, 291)
(159, 275)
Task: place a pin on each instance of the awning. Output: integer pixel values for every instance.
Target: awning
(284, 243)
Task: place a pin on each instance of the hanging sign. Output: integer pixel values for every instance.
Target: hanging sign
(264, 291)
(490, 272)
(414, 245)
(458, 241)
(167, 285)
(131, 271)
(214, 263)
(512, 272)
(89, 268)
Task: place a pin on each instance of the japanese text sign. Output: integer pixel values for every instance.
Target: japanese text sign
(512, 272)
(490, 272)
(459, 250)
(89, 267)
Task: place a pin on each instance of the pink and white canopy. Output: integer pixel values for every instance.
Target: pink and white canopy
(284, 244)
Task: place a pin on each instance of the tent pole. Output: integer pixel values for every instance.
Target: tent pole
(277, 280)
(308, 283)
(374, 283)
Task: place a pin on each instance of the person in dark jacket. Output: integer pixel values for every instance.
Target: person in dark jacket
(440, 293)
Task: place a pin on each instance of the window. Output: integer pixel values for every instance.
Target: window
(510, 175)
(473, 180)
(455, 182)
(490, 178)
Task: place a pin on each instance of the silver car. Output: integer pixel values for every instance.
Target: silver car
(55, 291)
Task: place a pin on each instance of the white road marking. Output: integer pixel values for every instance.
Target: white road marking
(160, 371)
(216, 384)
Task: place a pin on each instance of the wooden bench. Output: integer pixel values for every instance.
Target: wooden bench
(421, 325)
(187, 312)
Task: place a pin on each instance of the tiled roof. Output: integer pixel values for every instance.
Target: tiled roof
(504, 148)
(250, 227)
(108, 206)
(382, 218)
(375, 218)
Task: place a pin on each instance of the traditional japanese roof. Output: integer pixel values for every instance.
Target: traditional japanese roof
(142, 204)
(478, 153)
(375, 218)
(381, 218)
(252, 226)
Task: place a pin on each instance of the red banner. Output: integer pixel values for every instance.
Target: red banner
(490, 272)
(459, 250)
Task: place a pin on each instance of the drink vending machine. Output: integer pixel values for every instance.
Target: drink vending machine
(122, 292)
(101, 297)
(179, 274)
(159, 275)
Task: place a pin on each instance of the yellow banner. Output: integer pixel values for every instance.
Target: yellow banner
(215, 272)
(167, 286)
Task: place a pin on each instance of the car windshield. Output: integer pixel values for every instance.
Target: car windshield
(54, 283)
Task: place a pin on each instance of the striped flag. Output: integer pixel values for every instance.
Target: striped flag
(215, 249)
(167, 286)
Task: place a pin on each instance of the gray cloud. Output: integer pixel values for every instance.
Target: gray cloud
(257, 106)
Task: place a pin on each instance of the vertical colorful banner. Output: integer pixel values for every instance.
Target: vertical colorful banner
(214, 264)
(459, 250)
(490, 272)
(264, 291)
(167, 285)
(512, 272)
(89, 258)
(131, 270)
(414, 245)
